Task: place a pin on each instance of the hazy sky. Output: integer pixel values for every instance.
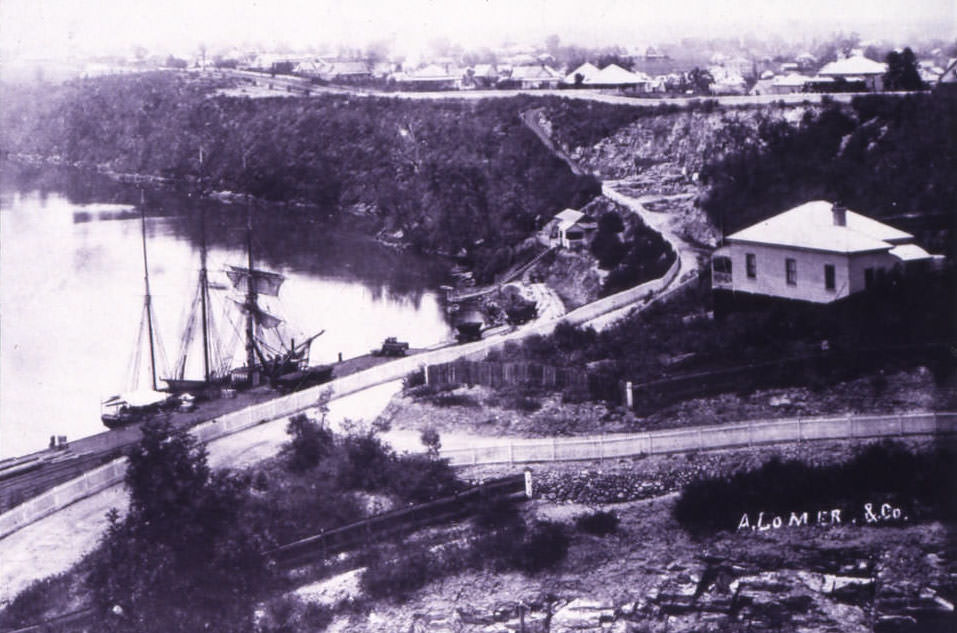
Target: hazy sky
(61, 27)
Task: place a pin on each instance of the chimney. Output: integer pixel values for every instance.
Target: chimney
(839, 212)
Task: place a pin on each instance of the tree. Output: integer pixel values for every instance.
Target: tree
(902, 71)
(700, 80)
(189, 554)
(432, 442)
(311, 441)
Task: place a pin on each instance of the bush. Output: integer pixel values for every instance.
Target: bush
(311, 441)
(431, 440)
(545, 545)
(365, 463)
(414, 379)
(421, 478)
(600, 523)
(919, 483)
(493, 513)
(31, 604)
(396, 579)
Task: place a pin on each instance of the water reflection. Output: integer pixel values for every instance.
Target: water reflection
(71, 289)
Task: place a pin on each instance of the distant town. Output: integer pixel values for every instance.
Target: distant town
(841, 63)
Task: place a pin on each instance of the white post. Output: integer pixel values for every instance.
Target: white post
(629, 395)
(528, 483)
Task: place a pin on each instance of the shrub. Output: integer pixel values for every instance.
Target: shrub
(545, 545)
(311, 441)
(420, 478)
(492, 513)
(600, 523)
(919, 483)
(414, 379)
(365, 463)
(431, 440)
(33, 602)
(396, 579)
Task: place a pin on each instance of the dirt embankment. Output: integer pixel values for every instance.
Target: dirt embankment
(659, 157)
(651, 575)
(486, 412)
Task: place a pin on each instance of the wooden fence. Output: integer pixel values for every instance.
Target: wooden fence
(704, 438)
(505, 374)
(799, 370)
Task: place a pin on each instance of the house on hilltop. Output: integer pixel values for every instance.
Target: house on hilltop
(817, 252)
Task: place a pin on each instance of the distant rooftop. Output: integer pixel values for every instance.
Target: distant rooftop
(858, 65)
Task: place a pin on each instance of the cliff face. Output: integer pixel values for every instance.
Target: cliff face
(677, 143)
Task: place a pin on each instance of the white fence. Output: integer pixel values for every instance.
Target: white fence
(704, 438)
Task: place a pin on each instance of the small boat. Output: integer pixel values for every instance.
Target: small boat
(134, 406)
(304, 378)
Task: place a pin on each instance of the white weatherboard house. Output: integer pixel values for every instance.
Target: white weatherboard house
(571, 229)
(818, 252)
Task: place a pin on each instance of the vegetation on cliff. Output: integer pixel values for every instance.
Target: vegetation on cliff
(465, 177)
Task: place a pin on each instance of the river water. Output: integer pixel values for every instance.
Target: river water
(71, 290)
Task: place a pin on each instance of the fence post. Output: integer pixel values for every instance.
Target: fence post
(629, 395)
(554, 449)
(900, 424)
(511, 452)
(800, 424)
(750, 434)
(474, 455)
(700, 441)
(850, 426)
(601, 448)
(528, 482)
(651, 439)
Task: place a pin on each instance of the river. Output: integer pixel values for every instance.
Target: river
(71, 289)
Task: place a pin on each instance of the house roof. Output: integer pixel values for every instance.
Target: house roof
(533, 72)
(486, 70)
(811, 225)
(568, 218)
(910, 253)
(794, 79)
(586, 70)
(857, 65)
(615, 75)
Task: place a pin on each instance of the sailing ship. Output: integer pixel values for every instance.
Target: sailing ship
(138, 404)
(269, 352)
(271, 356)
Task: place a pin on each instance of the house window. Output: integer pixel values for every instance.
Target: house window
(751, 265)
(868, 278)
(829, 276)
(791, 271)
(721, 264)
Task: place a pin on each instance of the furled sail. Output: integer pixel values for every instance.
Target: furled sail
(262, 318)
(264, 282)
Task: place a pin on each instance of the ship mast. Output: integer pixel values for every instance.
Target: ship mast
(203, 283)
(251, 301)
(147, 301)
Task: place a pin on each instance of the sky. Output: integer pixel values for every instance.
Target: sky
(60, 28)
